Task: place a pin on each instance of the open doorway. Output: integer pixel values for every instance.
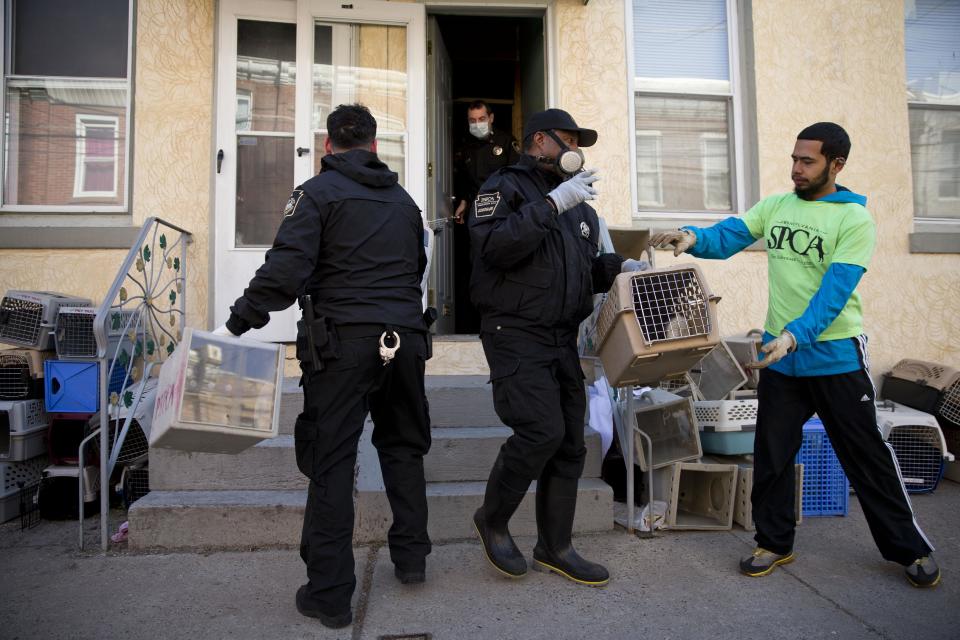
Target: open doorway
(501, 60)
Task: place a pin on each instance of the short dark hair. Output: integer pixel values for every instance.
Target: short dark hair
(350, 126)
(835, 143)
(479, 104)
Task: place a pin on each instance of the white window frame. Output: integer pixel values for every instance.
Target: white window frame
(657, 137)
(738, 189)
(84, 122)
(943, 166)
(7, 31)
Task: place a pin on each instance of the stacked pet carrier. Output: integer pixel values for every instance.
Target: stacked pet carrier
(924, 435)
(27, 325)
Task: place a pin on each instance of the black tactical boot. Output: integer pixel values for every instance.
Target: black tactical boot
(556, 506)
(505, 491)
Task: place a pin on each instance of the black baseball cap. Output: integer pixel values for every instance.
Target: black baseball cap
(559, 119)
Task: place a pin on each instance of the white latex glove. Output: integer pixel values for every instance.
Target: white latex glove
(681, 240)
(775, 350)
(634, 265)
(577, 189)
(223, 331)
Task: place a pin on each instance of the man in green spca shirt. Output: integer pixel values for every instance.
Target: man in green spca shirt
(819, 241)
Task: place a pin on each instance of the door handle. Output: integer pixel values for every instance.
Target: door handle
(219, 160)
(301, 151)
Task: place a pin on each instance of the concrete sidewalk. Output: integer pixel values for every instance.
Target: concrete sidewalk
(678, 585)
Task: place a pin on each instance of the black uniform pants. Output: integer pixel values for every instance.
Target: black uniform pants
(538, 392)
(336, 402)
(845, 405)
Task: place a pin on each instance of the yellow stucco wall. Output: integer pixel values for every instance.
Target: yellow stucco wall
(813, 61)
(173, 121)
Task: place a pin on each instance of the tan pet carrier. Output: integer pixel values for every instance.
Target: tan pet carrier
(656, 324)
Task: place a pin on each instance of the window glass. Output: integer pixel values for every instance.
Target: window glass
(932, 40)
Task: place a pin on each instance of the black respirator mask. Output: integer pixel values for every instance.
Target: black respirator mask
(568, 162)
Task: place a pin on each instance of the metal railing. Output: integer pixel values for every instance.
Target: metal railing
(138, 324)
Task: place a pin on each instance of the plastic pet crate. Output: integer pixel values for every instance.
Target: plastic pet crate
(135, 445)
(917, 442)
(726, 426)
(717, 375)
(64, 435)
(745, 350)
(59, 492)
(16, 477)
(948, 411)
(698, 495)
(743, 508)
(21, 373)
(27, 318)
(924, 386)
(656, 324)
(826, 491)
(23, 427)
(218, 394)
(74, 336)
(73, 386)
(669, 421)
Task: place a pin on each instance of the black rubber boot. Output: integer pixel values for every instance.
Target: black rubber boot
(556, 506)
(505, 491)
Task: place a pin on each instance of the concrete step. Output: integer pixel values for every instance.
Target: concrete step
(201, 520)
(455, 401)
(457, 454)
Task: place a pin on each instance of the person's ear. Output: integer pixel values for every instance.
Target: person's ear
(838, 164)
(490, 117)
(373, 146)
(327, 145)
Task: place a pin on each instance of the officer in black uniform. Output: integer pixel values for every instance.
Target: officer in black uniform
(481, 153)
(352, 240)
(536, 267)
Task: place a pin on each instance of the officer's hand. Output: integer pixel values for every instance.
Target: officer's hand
(681, 240)
(575, 190)
(774, 350)
(458, 215)
(634, 265)
(223, 331)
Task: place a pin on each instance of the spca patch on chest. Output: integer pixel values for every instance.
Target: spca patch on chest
(584, 229)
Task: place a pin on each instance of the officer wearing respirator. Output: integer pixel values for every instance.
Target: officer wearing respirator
(536, 266)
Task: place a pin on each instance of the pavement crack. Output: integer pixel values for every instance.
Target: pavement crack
(837, 605)
(366, 583)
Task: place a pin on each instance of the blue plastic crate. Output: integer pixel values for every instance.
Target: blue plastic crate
(72, 386)
(826, 491)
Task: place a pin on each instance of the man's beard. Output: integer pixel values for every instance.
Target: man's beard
(806, 192)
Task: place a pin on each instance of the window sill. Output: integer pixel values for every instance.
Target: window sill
(935, 236)
(68, 237)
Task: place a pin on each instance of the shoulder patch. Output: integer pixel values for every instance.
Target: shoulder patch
(486, 203)
(292, 203)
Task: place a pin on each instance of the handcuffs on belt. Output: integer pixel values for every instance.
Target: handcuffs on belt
(387, 353)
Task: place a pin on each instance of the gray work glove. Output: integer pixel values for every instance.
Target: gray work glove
(681, 239)
(575, 190)
(775, 350)
(634, 265)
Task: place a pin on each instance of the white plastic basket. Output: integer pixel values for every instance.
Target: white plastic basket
(726, 415)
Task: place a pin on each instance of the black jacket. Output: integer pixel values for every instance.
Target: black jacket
(475, 160)
(533, 270)
(353, 239)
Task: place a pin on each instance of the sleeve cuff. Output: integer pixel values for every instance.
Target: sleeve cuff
(237, 325)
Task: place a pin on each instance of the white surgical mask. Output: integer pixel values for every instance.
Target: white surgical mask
(480, 129)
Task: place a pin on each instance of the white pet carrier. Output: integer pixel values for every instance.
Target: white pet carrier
(27, 318)
(918, 443)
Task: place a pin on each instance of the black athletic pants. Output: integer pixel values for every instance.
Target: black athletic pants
(538, 392)
(845, 404)
(336, 402)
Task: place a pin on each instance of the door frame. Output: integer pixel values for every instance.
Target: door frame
(303, 13)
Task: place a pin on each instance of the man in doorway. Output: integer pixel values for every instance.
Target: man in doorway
(536, 267)
(481, 153)
(819, 241)
(351, 239)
